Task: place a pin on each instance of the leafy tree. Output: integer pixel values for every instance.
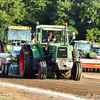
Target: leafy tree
(94, 34)
(35, 10)
(93, 28)
(43, 11)
(65, 14)
(11, 13)
(81, 15)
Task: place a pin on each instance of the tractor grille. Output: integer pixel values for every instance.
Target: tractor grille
(62, 52)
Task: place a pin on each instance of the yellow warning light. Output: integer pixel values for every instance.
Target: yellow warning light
(65, 24)
(37, 22)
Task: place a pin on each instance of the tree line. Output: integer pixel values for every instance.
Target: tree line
(82, 16)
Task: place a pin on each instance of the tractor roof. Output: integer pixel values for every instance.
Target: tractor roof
(95, 45)
(81, 41)
(51, 27)
(17, 27)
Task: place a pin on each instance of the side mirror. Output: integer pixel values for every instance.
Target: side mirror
(73, 35)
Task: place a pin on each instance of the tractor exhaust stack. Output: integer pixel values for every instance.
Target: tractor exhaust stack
(65, 33)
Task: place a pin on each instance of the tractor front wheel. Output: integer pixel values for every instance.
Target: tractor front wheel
(77, 70)
(65, 74)
(42, 70)
(2, 68)
(6, 69)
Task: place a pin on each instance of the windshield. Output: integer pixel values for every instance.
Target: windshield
(56, 34)
(83, 47)
(14, 34)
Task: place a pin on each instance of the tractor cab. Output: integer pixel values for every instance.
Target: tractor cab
(15, 36)
(55, 50)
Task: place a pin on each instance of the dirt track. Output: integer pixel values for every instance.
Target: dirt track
(80, 88)
(21, 94)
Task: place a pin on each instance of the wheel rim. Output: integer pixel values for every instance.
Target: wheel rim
(22, 63)
(39, 70)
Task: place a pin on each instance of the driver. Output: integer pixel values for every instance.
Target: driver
(51, 37)
(95, 50)
(16, 36)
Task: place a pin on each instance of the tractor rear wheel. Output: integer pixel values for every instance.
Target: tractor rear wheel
(24, 63)
(77, 70)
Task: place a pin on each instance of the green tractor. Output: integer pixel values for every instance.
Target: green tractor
(89, 54)
(83, 47)
(86, 49)
(50, 59)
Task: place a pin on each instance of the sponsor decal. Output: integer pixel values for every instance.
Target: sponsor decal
(62, 49)
(96, 65)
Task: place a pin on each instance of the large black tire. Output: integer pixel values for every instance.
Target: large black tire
(6, 69)
(58, 74)
(24, 63)
(45, 69)
(75, 55)
(2, 69)
(77, 70)
(88, 55)
(66, 74)
(42, 70)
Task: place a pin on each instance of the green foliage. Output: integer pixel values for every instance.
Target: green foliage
(94, 34)
(11, 13)
(82, 16)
